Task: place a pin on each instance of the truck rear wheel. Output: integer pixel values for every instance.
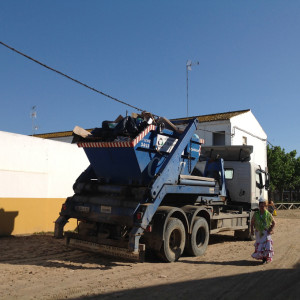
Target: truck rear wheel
(174, 240)
(199, 237)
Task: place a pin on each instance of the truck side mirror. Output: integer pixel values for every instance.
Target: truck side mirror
(267, 183)
(259, 185)
(259, 181)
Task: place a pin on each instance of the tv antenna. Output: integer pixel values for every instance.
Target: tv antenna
(189, 65)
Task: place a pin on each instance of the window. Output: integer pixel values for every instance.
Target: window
(219, 138)
(244, 140)
(229, 174)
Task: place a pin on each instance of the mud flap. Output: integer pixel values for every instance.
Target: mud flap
(59, 227)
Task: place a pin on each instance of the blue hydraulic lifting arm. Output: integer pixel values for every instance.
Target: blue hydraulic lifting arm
(168, 175)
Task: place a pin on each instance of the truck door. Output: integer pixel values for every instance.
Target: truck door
(238, 181)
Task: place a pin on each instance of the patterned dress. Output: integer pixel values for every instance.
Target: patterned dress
(264, 243)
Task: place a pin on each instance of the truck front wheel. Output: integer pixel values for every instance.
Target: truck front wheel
(199, 237)
(174, 240)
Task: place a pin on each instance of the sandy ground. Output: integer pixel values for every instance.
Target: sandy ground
(40, 267)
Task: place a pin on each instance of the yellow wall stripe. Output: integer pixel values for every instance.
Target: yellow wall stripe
(30, 215)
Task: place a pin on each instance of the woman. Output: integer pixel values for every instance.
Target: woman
(264, 223)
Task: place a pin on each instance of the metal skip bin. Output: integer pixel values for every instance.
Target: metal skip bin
(130, 174)
(134, 162)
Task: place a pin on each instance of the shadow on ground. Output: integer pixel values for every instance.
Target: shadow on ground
(269, 284)
(45, 250)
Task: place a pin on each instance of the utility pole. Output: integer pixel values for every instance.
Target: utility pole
(189, 65)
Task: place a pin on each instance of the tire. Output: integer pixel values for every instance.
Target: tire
(174, 241)
(199, 238)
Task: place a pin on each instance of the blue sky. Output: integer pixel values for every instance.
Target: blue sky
(136, 51)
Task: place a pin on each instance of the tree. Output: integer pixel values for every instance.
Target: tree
(284, 169)
(296, 180)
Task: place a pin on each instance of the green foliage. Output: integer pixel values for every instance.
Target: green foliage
(284, 169)
(297, 174)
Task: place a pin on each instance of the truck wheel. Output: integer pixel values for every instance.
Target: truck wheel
(199, 237)
(174, 240)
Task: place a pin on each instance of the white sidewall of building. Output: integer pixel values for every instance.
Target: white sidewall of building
(205, 131)
(246, 125)
(32, 167)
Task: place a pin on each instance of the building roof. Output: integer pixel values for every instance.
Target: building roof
(213, 117)
(54, 134)
(201, 119)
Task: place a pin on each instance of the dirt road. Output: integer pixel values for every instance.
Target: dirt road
(40, 267)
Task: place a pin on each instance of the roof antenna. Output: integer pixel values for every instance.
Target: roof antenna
(189, 65)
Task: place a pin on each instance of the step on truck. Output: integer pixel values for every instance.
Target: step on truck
(148, 187)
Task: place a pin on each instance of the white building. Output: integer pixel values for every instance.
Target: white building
(233, 128)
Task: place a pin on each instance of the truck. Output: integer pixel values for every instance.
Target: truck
(152, 186)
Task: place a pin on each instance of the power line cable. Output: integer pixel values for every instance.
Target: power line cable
(71, 78)
(89, 87)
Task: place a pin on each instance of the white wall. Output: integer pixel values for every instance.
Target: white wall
(243, 125)
(205, 131)
(246, 125)
(32, 167)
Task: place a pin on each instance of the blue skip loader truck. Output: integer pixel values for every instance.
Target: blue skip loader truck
(146, 188)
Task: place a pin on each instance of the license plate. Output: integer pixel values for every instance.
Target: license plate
(84, 209)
